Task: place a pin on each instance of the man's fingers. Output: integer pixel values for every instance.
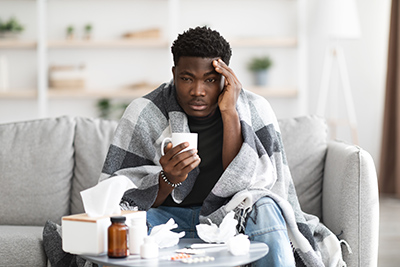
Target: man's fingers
(172, 151)
(180, 165)
(167, 148)
(226, 71)
(174, 158)
(188, 164)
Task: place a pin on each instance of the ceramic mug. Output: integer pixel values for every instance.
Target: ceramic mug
(179, 138)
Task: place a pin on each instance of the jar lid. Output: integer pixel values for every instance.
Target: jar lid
(119, 219)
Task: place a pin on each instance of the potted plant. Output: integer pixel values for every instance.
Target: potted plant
(109, 110)
(11, 28)
(70, 32)
(259, 66)
(88, 31)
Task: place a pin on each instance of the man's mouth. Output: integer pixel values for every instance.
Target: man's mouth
(198, 106)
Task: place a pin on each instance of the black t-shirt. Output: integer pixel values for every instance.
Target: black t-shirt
(210, 135)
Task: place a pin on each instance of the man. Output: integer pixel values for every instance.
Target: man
(239, 164)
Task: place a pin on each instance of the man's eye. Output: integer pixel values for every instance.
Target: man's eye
(211, 80)
(185, 79)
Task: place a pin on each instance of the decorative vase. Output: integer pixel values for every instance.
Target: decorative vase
(261, 77)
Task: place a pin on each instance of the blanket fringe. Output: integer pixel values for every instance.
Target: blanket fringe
(242, 215)
(347, 245)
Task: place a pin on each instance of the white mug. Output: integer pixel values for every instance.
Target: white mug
(179, 138)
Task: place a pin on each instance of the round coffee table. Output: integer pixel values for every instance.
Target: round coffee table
(222, 257)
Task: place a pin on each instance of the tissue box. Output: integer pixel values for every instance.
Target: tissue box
(82, 234)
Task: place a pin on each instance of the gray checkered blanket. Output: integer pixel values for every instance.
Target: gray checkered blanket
(260, 169)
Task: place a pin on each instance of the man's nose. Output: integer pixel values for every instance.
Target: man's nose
(198, 89)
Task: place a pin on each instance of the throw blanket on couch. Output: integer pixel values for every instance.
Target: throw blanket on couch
(260, 169)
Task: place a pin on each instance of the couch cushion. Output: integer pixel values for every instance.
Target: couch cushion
(36, 163)
(305, 142)
(22, 246)
(92, 140)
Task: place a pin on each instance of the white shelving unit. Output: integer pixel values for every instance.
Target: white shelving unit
(44, 44)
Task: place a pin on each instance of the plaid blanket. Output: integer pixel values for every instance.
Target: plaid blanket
(260, 169)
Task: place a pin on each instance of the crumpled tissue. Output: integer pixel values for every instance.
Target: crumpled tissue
(214, 234)
(163, 235)
(239, 244)
(225, 233)
(104, 198)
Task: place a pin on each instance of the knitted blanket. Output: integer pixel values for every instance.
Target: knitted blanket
(260, 169)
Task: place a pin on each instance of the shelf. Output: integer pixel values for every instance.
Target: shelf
(274, 92)
(160, 43)
(146, 43)
(264, 42)
(134, 93)
(18, 94)
(269, 92)
(97, 94)
(139, 43)
(14, 44)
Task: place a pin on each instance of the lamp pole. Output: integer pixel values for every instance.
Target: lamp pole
(342, 24)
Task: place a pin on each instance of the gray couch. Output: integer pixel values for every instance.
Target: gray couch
(44, 164)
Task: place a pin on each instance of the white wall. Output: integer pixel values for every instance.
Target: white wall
(366, 57)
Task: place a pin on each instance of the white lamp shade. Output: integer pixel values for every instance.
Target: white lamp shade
(343, 19)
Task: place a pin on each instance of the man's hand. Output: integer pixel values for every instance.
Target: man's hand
(176, 168)
(232, 137)
(229, 95)
(177, 165)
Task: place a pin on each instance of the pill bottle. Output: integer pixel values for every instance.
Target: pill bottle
(149, 249)
(137, 231)
(118, 234)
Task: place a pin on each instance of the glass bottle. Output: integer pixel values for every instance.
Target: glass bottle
(118, 233)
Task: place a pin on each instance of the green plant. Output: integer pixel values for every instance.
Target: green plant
(12, 25)
(260, 63)
(88, 31)
(70, 30)
(88, 28)
(104, 106)
(109, 110)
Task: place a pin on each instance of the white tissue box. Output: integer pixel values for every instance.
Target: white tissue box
(82, 234)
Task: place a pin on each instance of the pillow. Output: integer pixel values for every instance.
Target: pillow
(36, 163)
(305, 143)
(92, 140)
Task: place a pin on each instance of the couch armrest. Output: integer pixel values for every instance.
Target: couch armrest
(350, 202)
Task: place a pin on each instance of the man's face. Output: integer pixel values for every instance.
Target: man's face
(198, 85)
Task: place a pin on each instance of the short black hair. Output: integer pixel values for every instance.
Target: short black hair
(201, 42)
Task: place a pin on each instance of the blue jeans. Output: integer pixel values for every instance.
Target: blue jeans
(264, 223)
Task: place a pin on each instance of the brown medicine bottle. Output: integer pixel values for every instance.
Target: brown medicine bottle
(118, 233)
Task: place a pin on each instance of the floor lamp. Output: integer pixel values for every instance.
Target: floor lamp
(343, 24)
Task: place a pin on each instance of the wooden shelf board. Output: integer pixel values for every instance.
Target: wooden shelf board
(18, 94)
(97, 94)
(268, 92)
(148, 42)
(274, 92)
(264, 42)
(5, 43)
